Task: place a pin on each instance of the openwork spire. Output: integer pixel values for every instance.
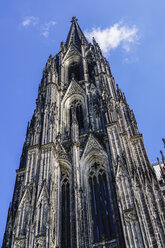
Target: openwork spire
(84, 179)
(75, 35)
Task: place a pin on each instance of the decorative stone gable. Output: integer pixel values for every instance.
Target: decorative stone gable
(44, 195)
(92, 145)
(74, 88)
(72, 51)
(26, 198)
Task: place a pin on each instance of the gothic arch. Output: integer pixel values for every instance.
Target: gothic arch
(73, 65)
(65, 165)
(65, 201)
(42, 211)
(97, 190)
(74, 93)
(87, 162)
(95, 183)
(76, 111)
(91, 65)
(22, 218)
(93, 149)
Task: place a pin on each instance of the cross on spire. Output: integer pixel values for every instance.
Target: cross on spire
(74, 19)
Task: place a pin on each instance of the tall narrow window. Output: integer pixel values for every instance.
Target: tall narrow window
(42, 217)
(76, 112)
(65, 213)
(70, 118)
(44, 220)
(91, 71)
(100, 205)
(79, 115)
(24, 219)
(74, 71)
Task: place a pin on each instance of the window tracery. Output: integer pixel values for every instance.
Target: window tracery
(76, 111)
(74, 71)
(23, 219)
(100, 204)
(65, 211)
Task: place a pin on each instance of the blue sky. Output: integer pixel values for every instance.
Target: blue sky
(132, 36)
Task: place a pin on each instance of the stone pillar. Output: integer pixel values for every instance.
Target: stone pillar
(84, 62)
(77, 181)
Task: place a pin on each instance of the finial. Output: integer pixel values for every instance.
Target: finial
(74, 19)
(158, 160)
(94, 41)
(62, 46)
(160, 166)
(27, 128)
(163, 158)
(124, 97)
(163, 142)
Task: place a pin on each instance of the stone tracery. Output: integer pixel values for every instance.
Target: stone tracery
(84, 179)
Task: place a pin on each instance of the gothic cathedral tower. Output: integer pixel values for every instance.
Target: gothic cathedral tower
(84, 178)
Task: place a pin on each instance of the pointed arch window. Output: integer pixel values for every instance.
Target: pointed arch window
(91, 71)
(42, 217)
(76, 109)
(74, 71)
(91, 67)
(79, 116)
(24, 217)
(100, 204)
(70, 118)
(65, 211)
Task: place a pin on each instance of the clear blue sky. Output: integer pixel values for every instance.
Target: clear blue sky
(31, 30)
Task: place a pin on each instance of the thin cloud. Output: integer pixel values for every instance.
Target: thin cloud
(117, 35)
(130, 60)
(43, 28)
(46, 28)
(30, 21)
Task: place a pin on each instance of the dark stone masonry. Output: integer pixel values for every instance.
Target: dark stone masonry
(84, 178)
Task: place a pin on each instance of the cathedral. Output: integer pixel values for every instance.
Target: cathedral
(84, 179)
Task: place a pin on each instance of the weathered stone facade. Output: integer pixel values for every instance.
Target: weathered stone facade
(84, 179)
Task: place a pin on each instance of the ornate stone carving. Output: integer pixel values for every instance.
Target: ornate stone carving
(130, 215)
(20, 243)
(40, 242)
(84, 178)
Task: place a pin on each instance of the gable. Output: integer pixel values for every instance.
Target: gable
(72, 51)
(26, 198)
(62, 154)
(44, 194)
(74, 88)
(92, 146)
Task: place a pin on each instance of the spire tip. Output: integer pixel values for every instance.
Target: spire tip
(74, 19)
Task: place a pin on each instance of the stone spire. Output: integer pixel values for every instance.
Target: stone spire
(85, 179)
(75, 35)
